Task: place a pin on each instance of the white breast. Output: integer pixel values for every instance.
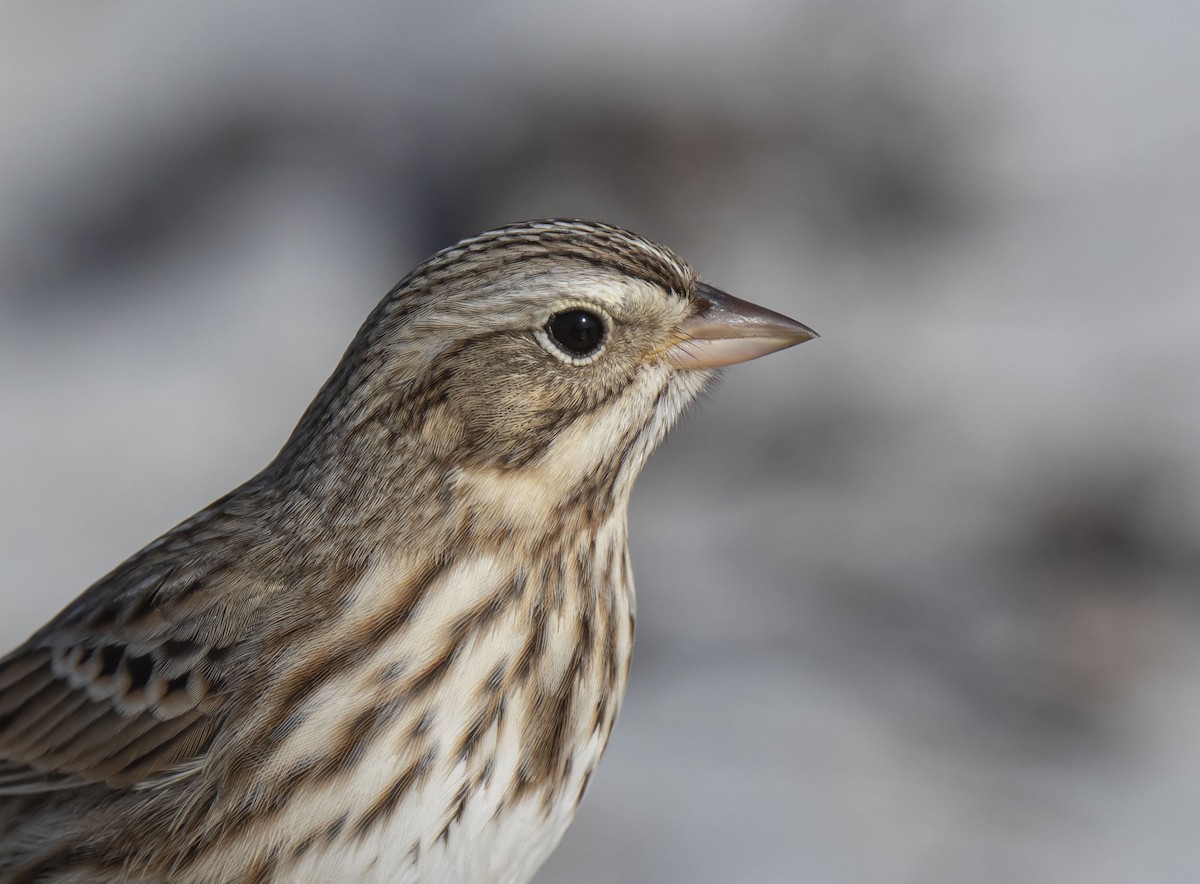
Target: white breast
(417, 804)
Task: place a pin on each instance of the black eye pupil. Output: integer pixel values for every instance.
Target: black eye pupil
(578, 332)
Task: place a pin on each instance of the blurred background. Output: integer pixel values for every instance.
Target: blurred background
(917, 601)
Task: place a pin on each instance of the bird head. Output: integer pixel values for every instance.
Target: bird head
(558, 351)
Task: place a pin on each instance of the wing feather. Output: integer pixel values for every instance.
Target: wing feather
(128, 683)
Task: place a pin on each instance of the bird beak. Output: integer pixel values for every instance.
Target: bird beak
(727, 330)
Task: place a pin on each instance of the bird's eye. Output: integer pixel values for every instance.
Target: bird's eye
(578, 333)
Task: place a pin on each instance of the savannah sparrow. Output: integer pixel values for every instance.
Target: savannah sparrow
(396, 653)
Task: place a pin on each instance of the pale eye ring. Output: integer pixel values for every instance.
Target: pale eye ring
(577, 334)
